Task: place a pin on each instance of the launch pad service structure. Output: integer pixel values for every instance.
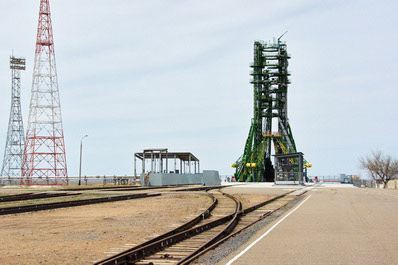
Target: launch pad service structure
(270, 84)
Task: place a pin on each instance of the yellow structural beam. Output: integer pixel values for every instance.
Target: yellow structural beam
(251, 165)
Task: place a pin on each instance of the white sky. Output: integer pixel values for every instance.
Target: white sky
(175, 74)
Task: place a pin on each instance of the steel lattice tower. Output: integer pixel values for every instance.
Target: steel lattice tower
(270, 83)
(12, 162)
(44, 160)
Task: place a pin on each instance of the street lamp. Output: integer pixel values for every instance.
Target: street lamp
(80, 165)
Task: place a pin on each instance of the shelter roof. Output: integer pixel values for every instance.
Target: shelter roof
(157, 153)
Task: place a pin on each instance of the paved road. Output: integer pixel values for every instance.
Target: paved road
(334, 226)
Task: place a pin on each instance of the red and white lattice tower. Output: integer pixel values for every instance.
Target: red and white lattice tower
(44, 159)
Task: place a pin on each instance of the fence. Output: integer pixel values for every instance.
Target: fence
(370, 183)
(330, 179)
(84, 180)
(364, 183)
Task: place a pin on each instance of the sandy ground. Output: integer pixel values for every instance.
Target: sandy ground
(249, 200)
(81, 235)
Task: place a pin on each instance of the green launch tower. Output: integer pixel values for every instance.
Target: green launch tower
(270, 83)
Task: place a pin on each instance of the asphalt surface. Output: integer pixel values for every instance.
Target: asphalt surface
(334, 226)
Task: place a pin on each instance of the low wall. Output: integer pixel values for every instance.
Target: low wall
(207, 178)
(369, 183)
(392, 184)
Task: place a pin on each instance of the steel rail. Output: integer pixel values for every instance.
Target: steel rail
(15, 195)
(144, 250)
(35, 196)
(205, 214)
(55, 205)
(127, 187)
(145, 188)
(206, 188)
(100, 188)
(221, 234)
(197, 254)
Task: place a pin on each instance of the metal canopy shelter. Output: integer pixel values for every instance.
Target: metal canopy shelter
(159, 161)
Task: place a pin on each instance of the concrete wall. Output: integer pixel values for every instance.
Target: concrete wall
(207, 178)
(211, 178)
(392, 184)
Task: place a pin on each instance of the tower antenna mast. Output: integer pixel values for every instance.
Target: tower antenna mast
(12, 162)
(282, 36)
(44, 159)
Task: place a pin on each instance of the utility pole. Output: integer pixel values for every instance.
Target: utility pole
(12, 162)
(80, 165)
(44, 159)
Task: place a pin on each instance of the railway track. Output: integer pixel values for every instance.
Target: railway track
(204, 188)
(177, 187)
(33, 196)
(56, 205)
(145, 188)
(124, 188)
(219, 223)
(248, 217)
(184, 247)
(15, 195)
(137, 188)
(226, 205)
(100, 188)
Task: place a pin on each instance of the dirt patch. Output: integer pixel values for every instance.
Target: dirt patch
(249, 200)
(81, 235)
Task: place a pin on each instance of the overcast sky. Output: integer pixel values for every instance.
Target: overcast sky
(175, 74)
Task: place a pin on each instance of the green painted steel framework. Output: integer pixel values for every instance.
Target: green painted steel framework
(270, 83)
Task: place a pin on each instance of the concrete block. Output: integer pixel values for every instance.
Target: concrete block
(208, 178)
